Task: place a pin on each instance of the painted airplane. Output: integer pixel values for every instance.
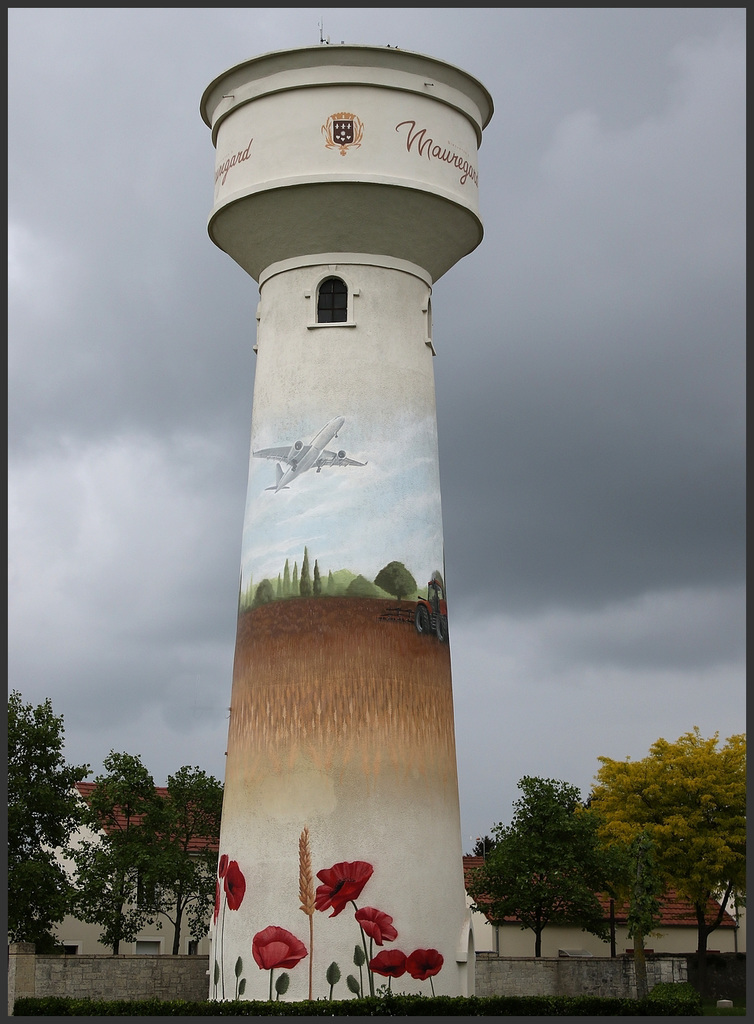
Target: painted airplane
(298, 457)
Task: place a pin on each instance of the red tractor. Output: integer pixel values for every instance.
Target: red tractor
(431, 614)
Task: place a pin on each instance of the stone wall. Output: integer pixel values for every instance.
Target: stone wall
(100, 976)
(565, 976)
(185, 977)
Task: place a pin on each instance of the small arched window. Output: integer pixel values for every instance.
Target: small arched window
(332, 301)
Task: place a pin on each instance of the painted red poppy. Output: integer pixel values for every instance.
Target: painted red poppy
(423, 963)
(390, 963)
(276, 947)
(235, 885)
(223, 865)
(342, 883)
(217, 901)
(376, 925)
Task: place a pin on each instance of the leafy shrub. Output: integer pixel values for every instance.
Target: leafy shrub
(675, 999)
(678, 1000)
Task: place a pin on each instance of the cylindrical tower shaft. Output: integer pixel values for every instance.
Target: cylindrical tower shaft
(345, 184)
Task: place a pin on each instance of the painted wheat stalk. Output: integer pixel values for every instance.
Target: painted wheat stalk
(306, 892)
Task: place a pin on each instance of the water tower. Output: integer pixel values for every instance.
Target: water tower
(346, 184)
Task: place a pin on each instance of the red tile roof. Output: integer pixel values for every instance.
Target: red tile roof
(674, 911)
(195, 845)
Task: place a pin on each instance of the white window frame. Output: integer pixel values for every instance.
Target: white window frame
(312, 294)
(150, 939)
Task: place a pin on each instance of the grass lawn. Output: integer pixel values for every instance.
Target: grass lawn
(737, 1010)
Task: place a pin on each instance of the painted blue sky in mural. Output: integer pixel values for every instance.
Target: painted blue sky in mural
(396, 491)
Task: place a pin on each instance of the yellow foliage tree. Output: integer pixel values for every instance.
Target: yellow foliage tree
(689, 798)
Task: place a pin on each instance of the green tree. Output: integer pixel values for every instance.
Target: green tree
(185, 832)
(294, 581)
(644, 904)
(112, 866)
(547, 866)
(43, 812)
(330, 584)
(286, 580)
(483, 846)
(305, 583)
(395, 579)
(689, 798)
(317, 583)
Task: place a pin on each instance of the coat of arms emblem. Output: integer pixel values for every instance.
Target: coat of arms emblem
(343, 132)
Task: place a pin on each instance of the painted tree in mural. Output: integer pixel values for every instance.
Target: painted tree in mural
(43, 811)
(246, 597)
(317, 583)
(264, 594)
(689, 798)
(360, 586)
(396, 580)
(546, 866)
(305, 583)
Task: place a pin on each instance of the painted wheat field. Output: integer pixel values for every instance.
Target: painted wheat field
(328, 681)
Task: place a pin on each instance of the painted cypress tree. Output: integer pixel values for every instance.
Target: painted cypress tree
(286, 580)
(305, 583)
(247, 596)
(317, 580)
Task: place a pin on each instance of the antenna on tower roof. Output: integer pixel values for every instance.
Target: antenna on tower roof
(322, 38)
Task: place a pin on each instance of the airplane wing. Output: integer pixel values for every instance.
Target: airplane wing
(280, 454)
(328, 458)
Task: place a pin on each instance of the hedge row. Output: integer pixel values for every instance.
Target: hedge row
(665, 1000)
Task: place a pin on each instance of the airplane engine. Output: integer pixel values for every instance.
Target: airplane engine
(341, 454)
(295, 449)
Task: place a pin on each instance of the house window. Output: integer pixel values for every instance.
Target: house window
(332, 301)
(148, 947)
(70, 949)
(193, 947)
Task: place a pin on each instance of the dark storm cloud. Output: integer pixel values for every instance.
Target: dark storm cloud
(605, 454)
(134, 316)
(589, 380)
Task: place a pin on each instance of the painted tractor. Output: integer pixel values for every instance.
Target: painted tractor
(431, 614)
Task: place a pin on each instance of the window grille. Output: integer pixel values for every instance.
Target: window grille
(332, 301)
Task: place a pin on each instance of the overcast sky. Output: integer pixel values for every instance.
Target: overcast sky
(589, 373)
